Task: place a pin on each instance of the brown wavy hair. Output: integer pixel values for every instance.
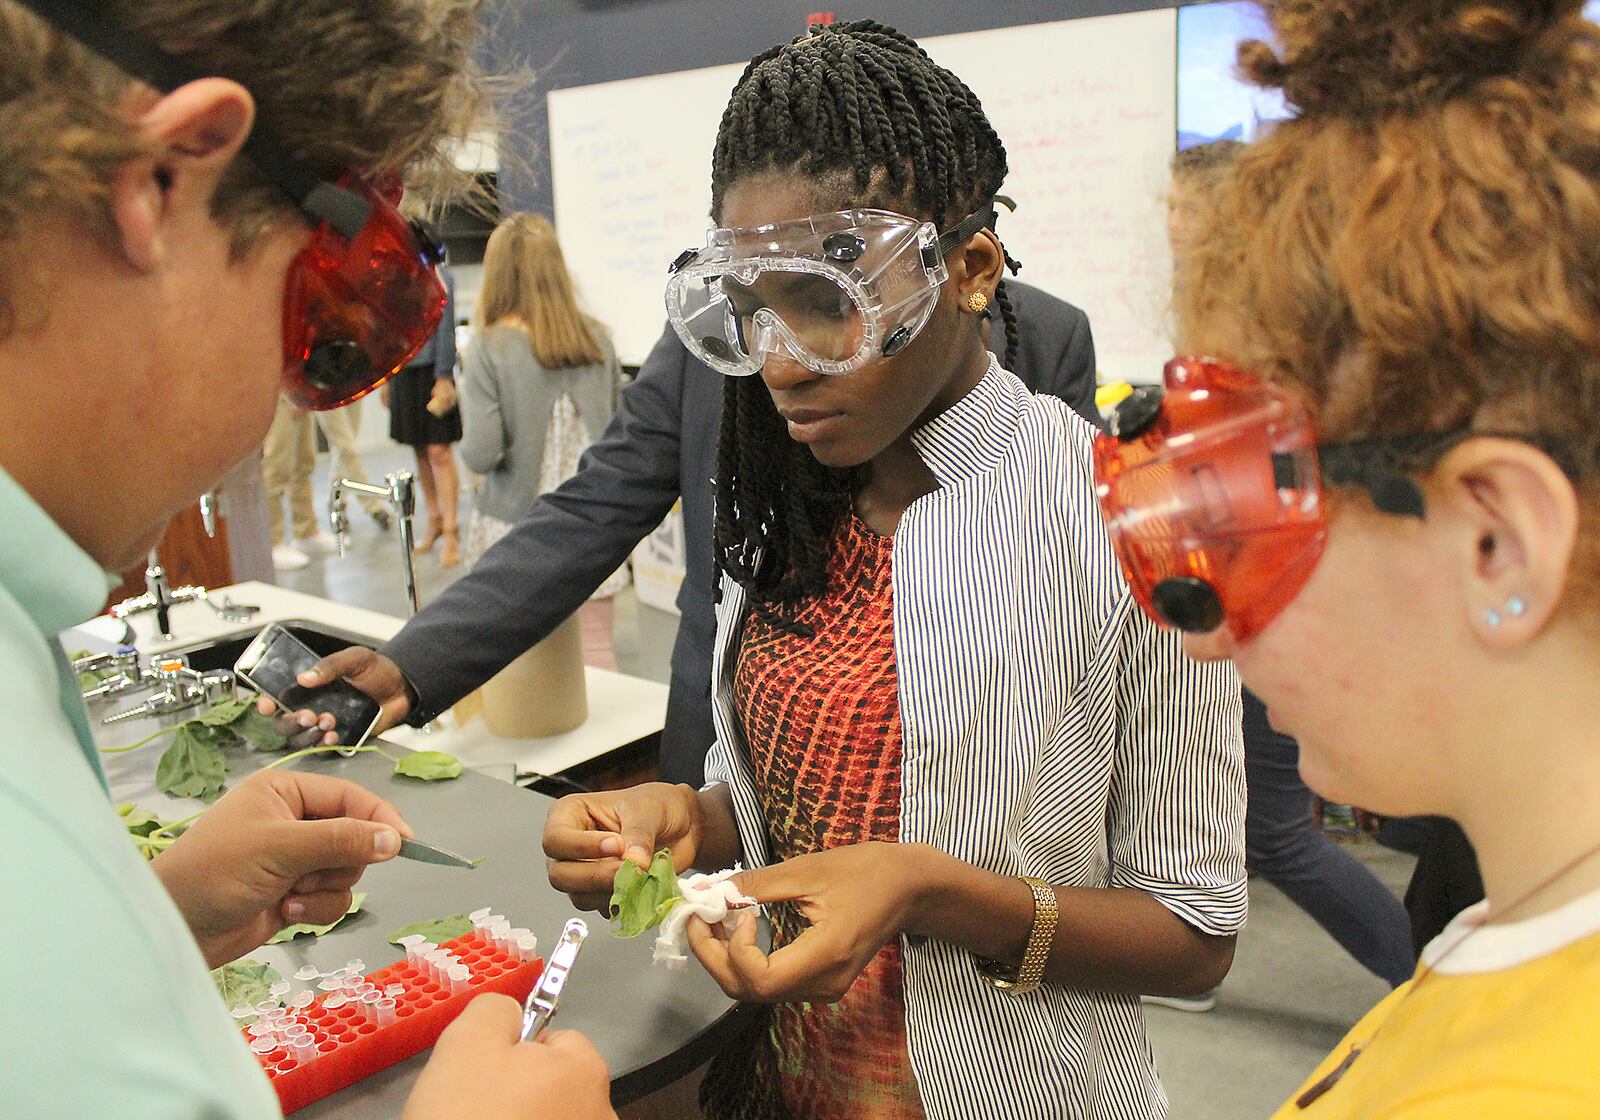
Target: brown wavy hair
(526, 284)
(1419, 250)
(383, 86)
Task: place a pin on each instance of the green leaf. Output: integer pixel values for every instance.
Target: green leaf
(224, 712)
(430, 766)
(138, 821)
(245, 981)
(299, 929)
(438, 931)
(259, 731)
(641, 899)
(193, 765)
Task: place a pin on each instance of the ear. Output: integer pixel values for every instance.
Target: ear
(978, 266)
(1511, 519)
(196, 132)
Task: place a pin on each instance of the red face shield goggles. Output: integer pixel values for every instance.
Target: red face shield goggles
(362, 300)
(363, 297)
(1212, 489)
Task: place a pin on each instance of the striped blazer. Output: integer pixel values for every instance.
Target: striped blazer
(1049, 730)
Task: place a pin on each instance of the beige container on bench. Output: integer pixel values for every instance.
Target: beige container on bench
(541, 693)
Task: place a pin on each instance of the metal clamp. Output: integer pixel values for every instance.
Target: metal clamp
(545, 998)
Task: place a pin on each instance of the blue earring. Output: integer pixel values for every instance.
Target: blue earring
(1516, 606)
(1492, 617)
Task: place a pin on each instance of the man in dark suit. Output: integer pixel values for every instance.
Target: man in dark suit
(661, 445)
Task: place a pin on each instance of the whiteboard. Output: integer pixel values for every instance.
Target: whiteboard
(1085, 108)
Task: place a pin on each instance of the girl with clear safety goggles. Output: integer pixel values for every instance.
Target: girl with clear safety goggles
(1383, 505)
(942, 730)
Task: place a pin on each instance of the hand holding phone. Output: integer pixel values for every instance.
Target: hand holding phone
(276, 657)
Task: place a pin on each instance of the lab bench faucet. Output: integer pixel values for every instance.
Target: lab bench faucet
(160, 598)
(399, 491)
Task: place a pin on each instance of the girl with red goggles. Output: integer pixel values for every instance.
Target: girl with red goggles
(1379, 499)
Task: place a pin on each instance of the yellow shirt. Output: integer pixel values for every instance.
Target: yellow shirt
(1505, 1025)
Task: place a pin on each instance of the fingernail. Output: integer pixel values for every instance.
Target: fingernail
(306, 719)
(326, 723)
(611, 845)
(294, 911)
(638, 855)
(310, 678)
(386, 843)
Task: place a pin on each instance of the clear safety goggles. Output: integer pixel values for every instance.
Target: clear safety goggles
(1212, 488)
(832, 291)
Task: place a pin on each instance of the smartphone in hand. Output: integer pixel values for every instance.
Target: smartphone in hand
(276, 657)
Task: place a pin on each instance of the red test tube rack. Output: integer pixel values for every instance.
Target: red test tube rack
(353, 1039)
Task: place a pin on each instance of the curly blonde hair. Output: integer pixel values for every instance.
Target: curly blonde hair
(1419, 250)
(384, 86)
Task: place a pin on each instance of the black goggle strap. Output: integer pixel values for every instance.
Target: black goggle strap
(960, 234)
(87, 22)
(1378, 465)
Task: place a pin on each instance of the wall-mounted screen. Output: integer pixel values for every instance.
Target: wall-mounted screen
(1213, 103)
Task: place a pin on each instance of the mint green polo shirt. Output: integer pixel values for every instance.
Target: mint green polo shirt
(108, 1009)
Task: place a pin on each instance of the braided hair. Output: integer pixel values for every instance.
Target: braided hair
(863, 110)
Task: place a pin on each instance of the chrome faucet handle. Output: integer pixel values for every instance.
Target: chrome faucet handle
(178, 688)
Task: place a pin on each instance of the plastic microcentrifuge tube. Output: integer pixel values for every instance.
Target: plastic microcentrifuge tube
(513, 937)
(355, 964)
(385, 1011)
(302, 1001)
(331, 984)
(394, 991)
(527, 947)
(459, 975)
(266, 1006)
(369, 1004)
(480, 914)
(280, 988)
(304, 1050)
(335, 1001)
(263, 1046)
(242, 1011)
(258, 1029)
(307, 972)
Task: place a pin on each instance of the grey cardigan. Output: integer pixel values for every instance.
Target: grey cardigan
(507, 399)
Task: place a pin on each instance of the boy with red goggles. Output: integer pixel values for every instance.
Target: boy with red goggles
(160, 163)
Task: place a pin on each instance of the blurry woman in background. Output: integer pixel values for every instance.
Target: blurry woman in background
(423, 416)
(539, 385)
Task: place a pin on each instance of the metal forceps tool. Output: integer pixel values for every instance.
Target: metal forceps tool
(543, 1001)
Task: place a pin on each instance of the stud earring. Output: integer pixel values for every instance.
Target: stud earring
(1492, 617)
(977, 303)
(1516, 606)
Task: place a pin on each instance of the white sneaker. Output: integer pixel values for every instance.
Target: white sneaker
(288, 558)
(322, 544)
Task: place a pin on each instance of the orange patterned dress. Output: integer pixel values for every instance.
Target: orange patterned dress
(822, 717)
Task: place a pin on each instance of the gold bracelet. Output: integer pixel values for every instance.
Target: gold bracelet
(1026, 976)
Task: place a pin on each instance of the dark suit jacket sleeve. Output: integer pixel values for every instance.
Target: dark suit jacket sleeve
(1055, 348)
(571, 539)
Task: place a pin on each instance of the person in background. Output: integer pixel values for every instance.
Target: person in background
(424, 417)
(987, 802)
(1282, 841)
(538, 386)
(149, 259)
(288, 458)
(1397, 296)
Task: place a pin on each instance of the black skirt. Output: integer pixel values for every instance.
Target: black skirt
(410, 422)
